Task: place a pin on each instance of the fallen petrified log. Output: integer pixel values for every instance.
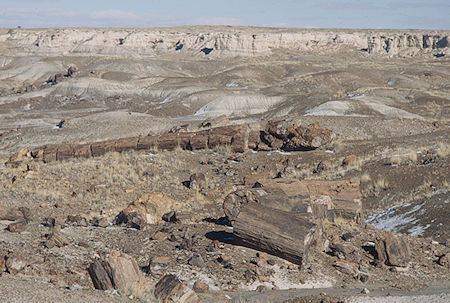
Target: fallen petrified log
(171, 289)
(284, 234)
(284, 217)
(284, 134)
(322, 199)
(392, 250)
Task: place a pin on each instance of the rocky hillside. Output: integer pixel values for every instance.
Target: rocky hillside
(225, 41)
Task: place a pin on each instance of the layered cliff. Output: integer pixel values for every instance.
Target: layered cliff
(216, 41)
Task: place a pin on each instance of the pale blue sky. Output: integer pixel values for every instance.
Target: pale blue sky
(405, 14)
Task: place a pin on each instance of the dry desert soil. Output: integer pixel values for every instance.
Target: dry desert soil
(383, 95)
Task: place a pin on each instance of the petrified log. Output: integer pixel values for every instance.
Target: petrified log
(171, 289)
(99, 275)
(101, 148)
(291, 135)
(64, 152)
(119, 271)
(82, 151)
(126, 144)
(284, 234)
(147, 142)
(345, 195)
(392, 250)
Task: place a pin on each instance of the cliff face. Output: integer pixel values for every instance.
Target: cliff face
(220, 41)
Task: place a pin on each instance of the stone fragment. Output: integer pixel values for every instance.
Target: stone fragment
(101, 148)
(158, 265)
(15, 263)
(100, 222)
(17, 226)
(197, 181)
(77, 220)
(200, 287)
(147, 142)
(10, 213)
(131, 219)
(170, 217)
(350, 159)
(171, 289)
(345, 267)
(125, 144)
(444, 260)
(55, 239)
(196, 260)
(65, 152)
(151, 207)
(82, 151)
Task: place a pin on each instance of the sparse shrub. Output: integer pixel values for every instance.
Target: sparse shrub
(443, 150)
(366, 178)
(413, 156)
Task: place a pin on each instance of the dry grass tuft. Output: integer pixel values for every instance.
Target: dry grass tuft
(443, 150)
(366, 178)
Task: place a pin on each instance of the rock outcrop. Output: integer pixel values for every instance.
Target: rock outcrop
(225, 41)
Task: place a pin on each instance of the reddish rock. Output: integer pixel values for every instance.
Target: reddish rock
(17, 226)
(171, 289)
(55, 239)
(158, 265)
(200, 287)
(291, 135)
(350, 159)
(119, 271)
(198, 141)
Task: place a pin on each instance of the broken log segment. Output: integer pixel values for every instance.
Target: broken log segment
(280, 233)
(344, 194)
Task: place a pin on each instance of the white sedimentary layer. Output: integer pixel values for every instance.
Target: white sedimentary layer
(233, 41)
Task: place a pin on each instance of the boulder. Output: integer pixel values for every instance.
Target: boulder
(197, 181)
(15, 263)
(119, 271)
(158, 265)
(151, 207)
(17, 226)
(392, 250)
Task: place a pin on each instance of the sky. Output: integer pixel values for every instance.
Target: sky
(403, 14)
